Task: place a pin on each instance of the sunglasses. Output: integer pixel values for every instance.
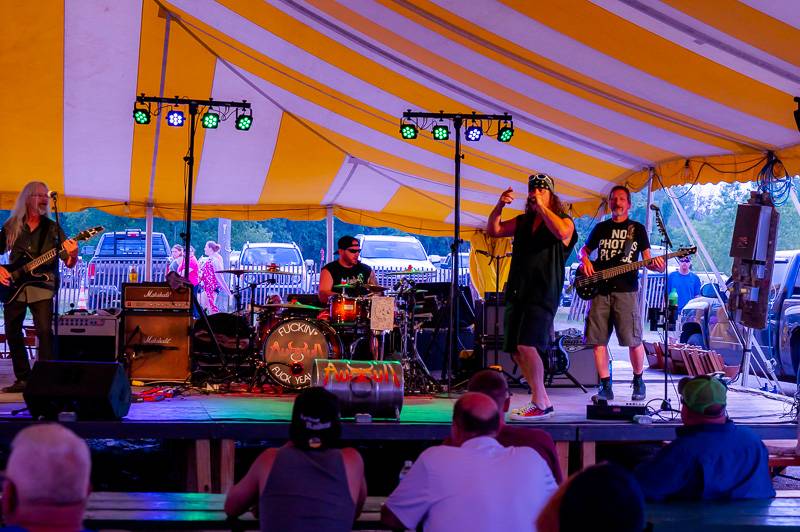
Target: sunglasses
(540, 181)
(354, 250)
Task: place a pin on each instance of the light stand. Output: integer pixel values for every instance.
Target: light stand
(666, 405)
(458, 122)
(194, 106)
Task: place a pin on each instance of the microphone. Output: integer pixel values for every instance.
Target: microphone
(52, 194)
(654, 207)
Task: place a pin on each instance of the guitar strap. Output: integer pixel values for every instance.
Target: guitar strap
(626, 247)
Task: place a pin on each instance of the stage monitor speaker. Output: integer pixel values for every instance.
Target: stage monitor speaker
(157, 345)
(93, 390)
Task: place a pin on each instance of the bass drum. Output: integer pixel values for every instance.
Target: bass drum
(229, 329)
(292, 346)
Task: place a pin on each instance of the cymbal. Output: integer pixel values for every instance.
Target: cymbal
(297, 306)
(408, 272)
(365, 286)
(238, 271)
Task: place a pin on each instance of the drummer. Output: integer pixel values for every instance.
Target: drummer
(347, 269)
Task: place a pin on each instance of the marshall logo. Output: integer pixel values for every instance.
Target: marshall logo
(159, 340)
(158, 294)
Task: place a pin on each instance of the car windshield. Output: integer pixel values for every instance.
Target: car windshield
(391, 249)
(115, 245)
(269, 255)
(779, 272)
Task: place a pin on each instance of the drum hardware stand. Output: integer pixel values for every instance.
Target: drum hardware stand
(511, 379)
(417, 377)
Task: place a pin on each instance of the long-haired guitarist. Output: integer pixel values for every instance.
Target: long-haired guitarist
(29, 233)
(618, 241)
(543, 239)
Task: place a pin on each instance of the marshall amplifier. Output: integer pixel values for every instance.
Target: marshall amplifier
(88, 337)
(155, 296)
(157, 344)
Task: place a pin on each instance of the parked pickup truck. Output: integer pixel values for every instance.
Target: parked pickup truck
(703, 320)
(110, 265)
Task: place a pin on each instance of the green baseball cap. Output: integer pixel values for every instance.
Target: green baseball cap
(703, 394)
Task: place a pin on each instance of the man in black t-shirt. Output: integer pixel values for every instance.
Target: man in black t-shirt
(346, 270)
(543, 239)
(26, 235)
(618, 241)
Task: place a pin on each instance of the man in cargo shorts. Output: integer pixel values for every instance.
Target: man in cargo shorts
(618, 241)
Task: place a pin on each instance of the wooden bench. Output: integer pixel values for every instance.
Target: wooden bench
(782, 512)
(182, 511)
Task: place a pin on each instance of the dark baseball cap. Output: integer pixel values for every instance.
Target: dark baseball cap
(315, 419)
(347, 241)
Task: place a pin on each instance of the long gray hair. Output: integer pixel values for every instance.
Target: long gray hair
(13, 225)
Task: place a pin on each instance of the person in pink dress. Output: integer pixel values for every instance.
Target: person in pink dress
(194, 268)
(213, 282)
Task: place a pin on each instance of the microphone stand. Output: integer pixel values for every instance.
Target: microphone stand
(54, 345)
(497, 258)
(666, 405)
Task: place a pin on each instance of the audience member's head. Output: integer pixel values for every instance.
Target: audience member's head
(474, 414)
(492, 383)
(315, 420)
(603, 494)
(703, 400)
(47, 479)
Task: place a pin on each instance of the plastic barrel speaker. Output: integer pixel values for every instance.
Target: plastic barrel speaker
(362, 387)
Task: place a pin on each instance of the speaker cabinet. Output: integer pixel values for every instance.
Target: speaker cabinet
(93, 390)
(157, 344)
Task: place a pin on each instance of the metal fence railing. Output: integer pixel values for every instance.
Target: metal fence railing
(98, 285)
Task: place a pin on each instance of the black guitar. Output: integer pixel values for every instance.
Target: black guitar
(587, 286)
(23, 269)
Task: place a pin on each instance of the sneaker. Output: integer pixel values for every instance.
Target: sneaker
(17, 387)
(531, 412)
(604, 392)
(639, 390)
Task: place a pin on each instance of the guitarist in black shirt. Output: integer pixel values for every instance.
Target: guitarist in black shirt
(618, 241)
(29, 232)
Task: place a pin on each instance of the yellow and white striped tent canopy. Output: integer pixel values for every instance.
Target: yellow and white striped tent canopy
(599, 91)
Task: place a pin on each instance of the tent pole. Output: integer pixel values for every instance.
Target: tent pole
(455, 248)
(148, 243)
(328, 234)
(648, 225)
(795, 202)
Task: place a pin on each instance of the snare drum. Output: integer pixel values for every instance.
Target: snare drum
(291, 347)
(346, 310)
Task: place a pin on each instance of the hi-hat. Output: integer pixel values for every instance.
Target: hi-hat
(239, 271)
(298, 306)
(408, 272)
(365, 286)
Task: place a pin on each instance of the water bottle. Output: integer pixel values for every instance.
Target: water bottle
(673, 298)
(406, 468)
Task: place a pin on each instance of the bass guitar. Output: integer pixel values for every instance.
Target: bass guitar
(23, 270)
(588, 286)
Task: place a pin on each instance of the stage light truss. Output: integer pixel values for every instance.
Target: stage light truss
(475, 125)
(211, 111)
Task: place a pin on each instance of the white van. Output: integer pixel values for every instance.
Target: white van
(388, 253)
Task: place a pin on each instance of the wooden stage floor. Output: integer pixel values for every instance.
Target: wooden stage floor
(244, 416)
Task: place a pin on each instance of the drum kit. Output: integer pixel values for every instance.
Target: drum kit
(277, 342)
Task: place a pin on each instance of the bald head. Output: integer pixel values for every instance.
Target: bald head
(475, 414)
(49, 464)
(492, 383)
